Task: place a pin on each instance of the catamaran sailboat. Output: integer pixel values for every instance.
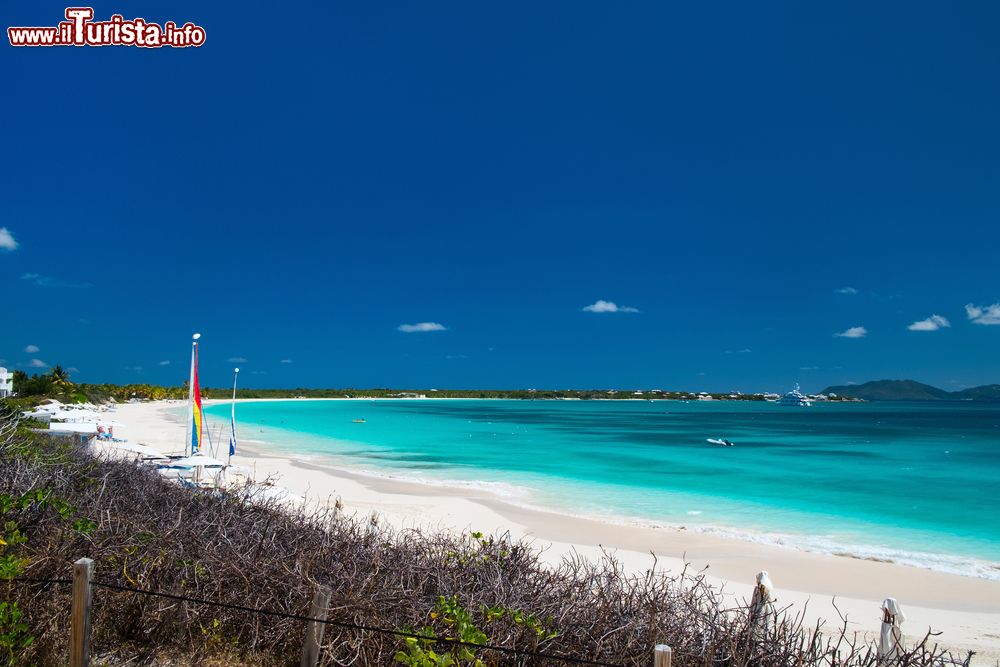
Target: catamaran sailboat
(205, 469)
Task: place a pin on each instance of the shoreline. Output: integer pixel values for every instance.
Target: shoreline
(516, 499)
(966, 609)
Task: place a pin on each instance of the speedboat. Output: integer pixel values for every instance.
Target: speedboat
(720, 441)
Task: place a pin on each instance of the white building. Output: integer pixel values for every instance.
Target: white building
(6, 383)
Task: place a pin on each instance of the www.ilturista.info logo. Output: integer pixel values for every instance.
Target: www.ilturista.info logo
(79, 29)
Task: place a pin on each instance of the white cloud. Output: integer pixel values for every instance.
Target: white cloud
(455, 356)
(165, 362)
(983, 314)
(853, 332)
(932, 323)
(48, 281)
(420, 327)
(258, 372)
(846, 290)
(286, 361)
(7, 241)
(236, 360)
(36, 363)
(31, 349)
(808, 368)
(602, 306)
(37, 278)
(137, 369)
(72, 369)
(745, 350)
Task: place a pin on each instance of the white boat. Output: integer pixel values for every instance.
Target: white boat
(720, 441)
(795, 398)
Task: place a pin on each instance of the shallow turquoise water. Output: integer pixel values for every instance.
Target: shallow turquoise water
(915, 483)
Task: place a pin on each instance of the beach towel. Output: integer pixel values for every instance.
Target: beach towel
(890, 641)
(761, 605)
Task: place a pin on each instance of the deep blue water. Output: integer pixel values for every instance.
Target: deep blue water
(916, 483)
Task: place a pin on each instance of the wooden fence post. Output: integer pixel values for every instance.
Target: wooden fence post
(314, 629)
(662, 655)
(79, 642)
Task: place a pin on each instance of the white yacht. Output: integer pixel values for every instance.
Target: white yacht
(795, 398)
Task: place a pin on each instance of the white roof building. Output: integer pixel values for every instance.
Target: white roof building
(6, 383)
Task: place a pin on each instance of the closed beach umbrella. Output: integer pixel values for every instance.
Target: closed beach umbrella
(761, 604)
(890, 641)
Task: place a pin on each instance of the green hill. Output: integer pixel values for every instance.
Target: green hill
(911, 390)
(988, 392)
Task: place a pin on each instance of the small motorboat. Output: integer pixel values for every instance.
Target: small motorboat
(359, 421)
(720, 441)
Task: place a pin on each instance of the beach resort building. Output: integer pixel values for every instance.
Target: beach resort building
(6, 383)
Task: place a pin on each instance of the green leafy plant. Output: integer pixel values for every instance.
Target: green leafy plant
(540, 627)
(85, 526)
(11, 565)
(213, 635)
(15, 635)
(460, 626)
(533, 623)
(419, 652)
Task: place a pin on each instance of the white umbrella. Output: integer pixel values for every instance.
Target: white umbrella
(144, 450)
(84, 427)
(198, 461)
(890, 641)
(77, 415)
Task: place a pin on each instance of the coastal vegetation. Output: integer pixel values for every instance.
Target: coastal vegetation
(57, 384)
(396, 597)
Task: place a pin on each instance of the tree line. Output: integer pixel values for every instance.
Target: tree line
(56, 383)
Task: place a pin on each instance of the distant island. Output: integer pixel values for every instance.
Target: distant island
(911, 390)
(57, 384)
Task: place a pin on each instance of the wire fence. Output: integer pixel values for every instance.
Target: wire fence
(324, 621)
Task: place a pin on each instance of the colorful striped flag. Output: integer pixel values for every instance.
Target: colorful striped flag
(196, 413)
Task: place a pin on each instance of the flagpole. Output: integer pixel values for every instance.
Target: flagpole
(232, 435)
(195, 405)
(190, 419)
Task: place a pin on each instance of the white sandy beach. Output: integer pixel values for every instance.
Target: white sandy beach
(965, 610)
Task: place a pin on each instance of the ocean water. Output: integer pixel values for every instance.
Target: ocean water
(915, 483)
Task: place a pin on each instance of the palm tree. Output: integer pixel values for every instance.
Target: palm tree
(59, 377)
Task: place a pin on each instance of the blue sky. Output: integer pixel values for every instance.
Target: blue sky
(303, 185)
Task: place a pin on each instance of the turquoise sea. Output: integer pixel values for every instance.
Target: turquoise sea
(915, 483)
